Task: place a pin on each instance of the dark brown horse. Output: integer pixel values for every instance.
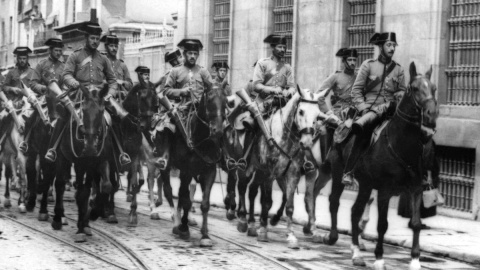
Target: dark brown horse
(392, 165)
(206, 125)
(90, 150)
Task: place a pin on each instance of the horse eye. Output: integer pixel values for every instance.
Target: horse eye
(301, 112)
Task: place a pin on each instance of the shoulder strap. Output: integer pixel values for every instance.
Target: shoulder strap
(86, 61)
(377, 81)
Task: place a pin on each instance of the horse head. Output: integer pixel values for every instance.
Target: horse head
(212, 111)
(422, 91)
(307, 115)
(92, 109)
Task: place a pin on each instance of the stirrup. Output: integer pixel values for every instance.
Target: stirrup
(23, 147)
(155, 152)
(124, 159)
(51, 155)
(347, 179)
(308, 166)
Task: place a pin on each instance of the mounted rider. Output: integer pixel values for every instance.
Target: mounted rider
(336, 99)
(186, 84)
(222, 70)
(120, 69)
(13, 89)
(87, 67)
(379, 83)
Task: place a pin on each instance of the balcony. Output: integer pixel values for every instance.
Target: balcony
(41, 37)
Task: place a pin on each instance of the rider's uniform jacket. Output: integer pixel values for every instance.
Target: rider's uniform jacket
(339, 85)
(14, 78)
(89, 68)
(45, 71)
(371, 70)
(120, 70)
(227, 90)
(182, 76)
(270, 73)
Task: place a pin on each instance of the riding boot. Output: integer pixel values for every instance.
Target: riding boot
(367, 121)
(124, 158)
(51, 154)
(360, 143)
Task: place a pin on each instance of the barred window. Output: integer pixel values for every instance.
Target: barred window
(221, 26)
(463, 69)
(283, 23)
(362, 27)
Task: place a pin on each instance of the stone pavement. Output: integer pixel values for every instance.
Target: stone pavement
(451, 237)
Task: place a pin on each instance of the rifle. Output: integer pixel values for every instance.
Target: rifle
(12, 112)
(63, 97)
(174, 114)
(26, 91)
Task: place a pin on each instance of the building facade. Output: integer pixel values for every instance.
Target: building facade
(444, 34)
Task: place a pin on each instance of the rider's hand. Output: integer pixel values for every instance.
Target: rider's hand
(40, 88)
(9, 105)
(15, 90)
(185, 91)
(120, 82)
(75, 84)
(276, 90)
(286, 93)
(32, 99)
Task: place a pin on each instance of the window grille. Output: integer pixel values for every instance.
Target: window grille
(362, 27)
(221, 25)
(283, 23)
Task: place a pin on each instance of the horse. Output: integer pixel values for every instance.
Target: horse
(200, 158)
(394, 164)
(292, 128)
(89, 148)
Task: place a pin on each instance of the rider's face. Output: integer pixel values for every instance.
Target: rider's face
(222, 72)
(279, 50)
(388, 49)
(93, 41)
(145, 76)
(56, 53)
(22, 61)
(112, 49)
(350, 62)
(191, 57)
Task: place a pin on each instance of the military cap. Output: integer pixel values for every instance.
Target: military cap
(54, 42)
(275, 39)
(21, 51)
(142, 69)
(345, 52)
(380, 38)
(171, 56)
(109, 39)
(220, 65)
(190, 45)
(91, 28)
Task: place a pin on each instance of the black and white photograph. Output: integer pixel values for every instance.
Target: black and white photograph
(239, 134)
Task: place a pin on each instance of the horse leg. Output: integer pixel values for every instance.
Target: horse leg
(167, 191)
(242, 209)
(364, 220)
(151, 186)
(22, 180)
(135, 189)
(59, 190)
(185, 204)
(322, 179)
(6, 202)
(193, 189)
(206, 182)
(276, 218)
(309, 199)
(415, 204)
(357, 211)
(82, 196)
(130, 173)
(115, 180)
(252, 194)
(266, 200)
(292, 178)
(48, 171)
(229, 200)
(154, 204)
(32, 181)
(334, 199)
(382, 226)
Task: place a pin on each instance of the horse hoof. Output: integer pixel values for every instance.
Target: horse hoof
(30, 207)
(362, 246)
(42, 217)
(64, 221)
(358, 261)
(7, 203)
(67, 188)
(318, 238)
(155, 216)
(307, 231)
(158, 203)
(51, 199)
(133, 220)
(129, 198)
(293, 245)
(262, 234)
(379, 265)
(252, 232)
(242, 226)
(175, 230)
(112, 219)
(80, 238)
(206, 242)
(182, 234)
(193, 209)
(88, 231)
(192, 222)
(230, 215)
(415, 265)
(274, 220)
(57, 225)
(22, 208)
(329, 240)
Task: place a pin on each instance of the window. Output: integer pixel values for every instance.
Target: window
(11, 30)
(3, 33)
(457, 176)
(221, 26)
(463, 69)
(283, 23)
(362, 27)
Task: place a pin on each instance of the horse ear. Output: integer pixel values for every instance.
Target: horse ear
(413, 72)
(428, 75)
(301, 92)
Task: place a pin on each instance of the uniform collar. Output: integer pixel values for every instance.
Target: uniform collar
(90, 52)
(53, 60)
(272, 57)
(22, 69)
(349, 71)
(113, 59)
(384, 60)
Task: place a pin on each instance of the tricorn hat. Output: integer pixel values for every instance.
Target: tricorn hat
(380, 38)
(91, 28)
(345, 52)
(275, 39)
(142, 69)
(220, 65)
(54, 42)
(21, 51)
(190, 44)
(109, 39)
(171, 56)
